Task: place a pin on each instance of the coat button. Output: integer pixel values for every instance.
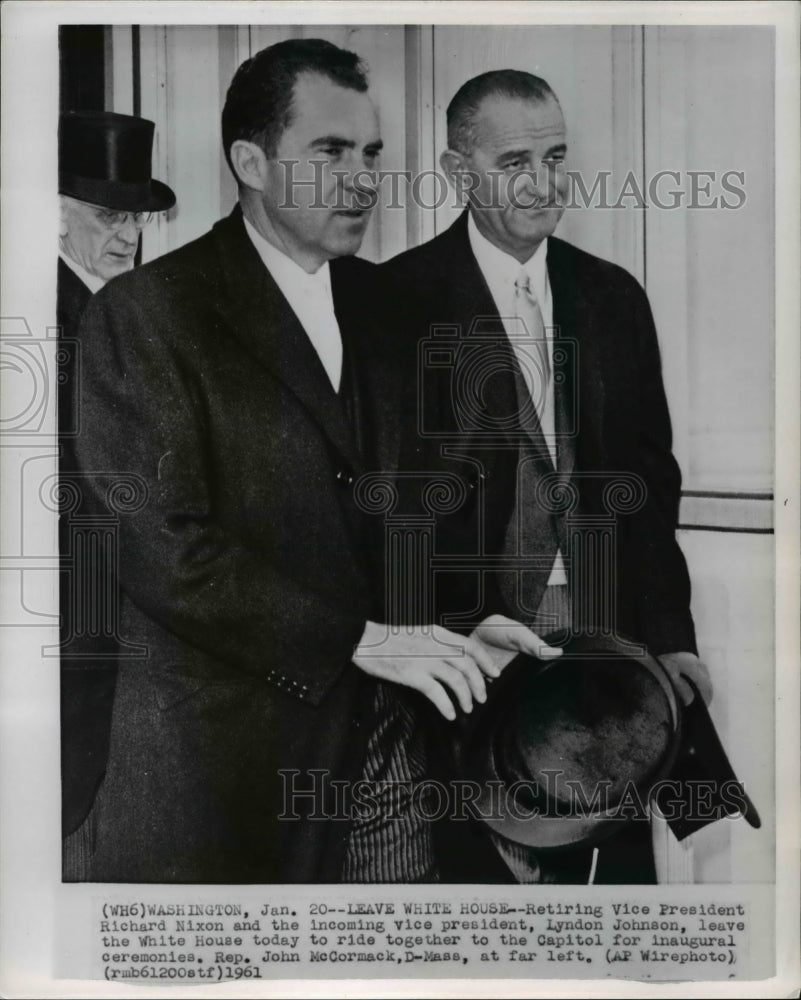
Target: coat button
(344, 477)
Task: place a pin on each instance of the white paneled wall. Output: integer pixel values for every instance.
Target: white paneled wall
(709, 107)
(181, 86)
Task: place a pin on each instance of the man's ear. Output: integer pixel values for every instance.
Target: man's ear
(454, 164)
(250, 164)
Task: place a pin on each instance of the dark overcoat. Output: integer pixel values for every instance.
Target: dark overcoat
(87, 681)
(245, 565)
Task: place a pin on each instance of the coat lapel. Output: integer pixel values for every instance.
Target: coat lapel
(582, 387)
(265, 326)
(471, 298)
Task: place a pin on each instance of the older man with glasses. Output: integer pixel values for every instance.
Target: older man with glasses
(107, 196)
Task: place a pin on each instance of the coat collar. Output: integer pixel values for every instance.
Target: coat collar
(265, 326)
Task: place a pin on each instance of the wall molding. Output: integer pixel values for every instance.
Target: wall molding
(750, 513)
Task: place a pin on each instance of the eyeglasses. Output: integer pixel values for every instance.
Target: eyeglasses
(118, 220)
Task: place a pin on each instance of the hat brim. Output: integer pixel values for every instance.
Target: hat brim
(153, 196)
(537, 823)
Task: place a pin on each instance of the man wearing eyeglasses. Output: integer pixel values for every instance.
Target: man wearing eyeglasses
(107, 196)
(98, 243)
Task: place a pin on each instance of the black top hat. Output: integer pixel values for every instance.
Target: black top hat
(105, 159)
(567, 751)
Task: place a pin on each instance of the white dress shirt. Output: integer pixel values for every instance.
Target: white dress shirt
(92, 282)
(311, 300)
(500, 271)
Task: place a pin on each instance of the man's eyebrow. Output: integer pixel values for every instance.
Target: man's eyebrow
(339, 143)
(511, 154)
(333, 140)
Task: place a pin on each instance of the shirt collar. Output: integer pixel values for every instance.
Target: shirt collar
(500, 268)
(285, 271)
(92, 282)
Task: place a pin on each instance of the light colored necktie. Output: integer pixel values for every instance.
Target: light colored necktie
(532, 350)
(530, 531)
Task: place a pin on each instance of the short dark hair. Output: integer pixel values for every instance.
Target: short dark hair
(259, 102)
(467, 100)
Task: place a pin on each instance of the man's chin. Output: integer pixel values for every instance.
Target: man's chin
(348, 243)
(534, 233)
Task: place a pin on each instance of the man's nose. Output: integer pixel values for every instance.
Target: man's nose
(541, 179)
(129, 233)
(534, 185)
(359, 179)
(353, 170)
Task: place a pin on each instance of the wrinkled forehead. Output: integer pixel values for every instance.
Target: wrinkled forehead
(512, 122)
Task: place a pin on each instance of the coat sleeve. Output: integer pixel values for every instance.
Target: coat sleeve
(185, 570)
(654, 558)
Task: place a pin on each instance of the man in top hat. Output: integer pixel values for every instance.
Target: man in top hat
(107, 196)
(564, 412)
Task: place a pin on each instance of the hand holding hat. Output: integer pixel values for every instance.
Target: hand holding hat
(563, 752)
(503, 639)
(688, 665)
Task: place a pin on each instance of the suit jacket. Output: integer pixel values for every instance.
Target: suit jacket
(87, 681)
(245, 565)
(613, 412)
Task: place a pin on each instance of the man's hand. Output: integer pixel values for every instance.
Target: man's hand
(688, 664)
(431, 660)
(502, 639)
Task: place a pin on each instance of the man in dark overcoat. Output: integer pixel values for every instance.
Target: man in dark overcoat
(221, 382)
(107, 195)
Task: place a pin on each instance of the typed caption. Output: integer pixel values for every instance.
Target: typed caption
(536, 932)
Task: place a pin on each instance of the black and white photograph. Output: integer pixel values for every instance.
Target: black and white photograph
(400, 497)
